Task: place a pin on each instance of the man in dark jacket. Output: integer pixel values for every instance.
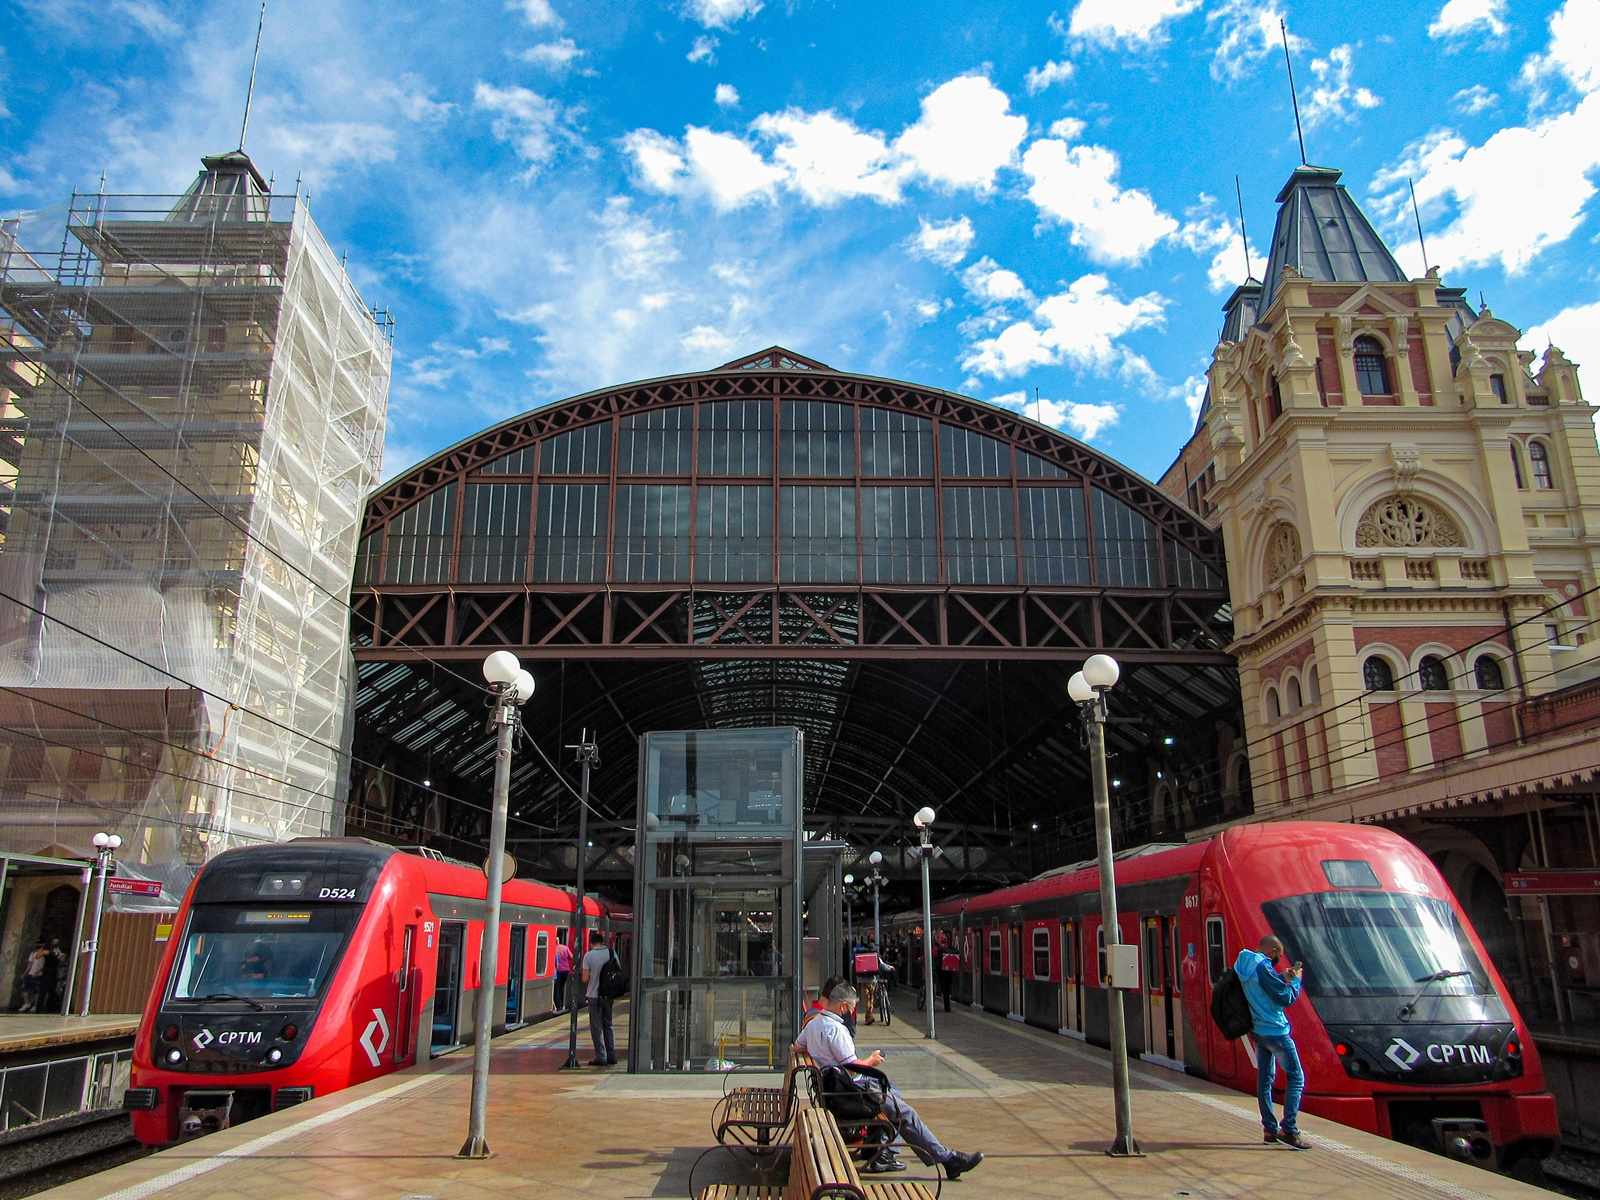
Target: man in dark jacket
(1269, 995)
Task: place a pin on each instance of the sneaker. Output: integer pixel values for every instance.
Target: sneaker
(1269, 1136)
(611, 1062)
(883, 1164)
(1293, 1137)
(959, 1164)
(597, 1062)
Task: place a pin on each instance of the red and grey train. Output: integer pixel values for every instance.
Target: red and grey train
(1405, 1028)
(301, 968)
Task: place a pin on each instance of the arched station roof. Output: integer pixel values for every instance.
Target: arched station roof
(905, 573)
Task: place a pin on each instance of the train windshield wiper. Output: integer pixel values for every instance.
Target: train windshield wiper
(1427, 981)
(231, 996)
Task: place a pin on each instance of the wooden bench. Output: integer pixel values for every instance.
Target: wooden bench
(757, 1117)
(819, 1169)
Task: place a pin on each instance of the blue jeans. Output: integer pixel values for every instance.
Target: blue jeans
(1272, 1052)
(600, 1032)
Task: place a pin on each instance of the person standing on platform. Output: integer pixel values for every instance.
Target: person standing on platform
(563, 969)
(600, 1031)
(33, 978)
(949, 963)
(1269, 994)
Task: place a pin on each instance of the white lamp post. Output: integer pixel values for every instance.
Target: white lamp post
(924, 822)
(1088, 689)
(512, 686)
(850, 923)
(105, 844)
(875, 881)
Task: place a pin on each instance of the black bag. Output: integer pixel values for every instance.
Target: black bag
(849, 1098)
(613, 982)
(1229, 1007)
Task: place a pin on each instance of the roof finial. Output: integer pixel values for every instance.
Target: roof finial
(1243, 236)
(1417, 213)
(255, 59)
(1283, 28)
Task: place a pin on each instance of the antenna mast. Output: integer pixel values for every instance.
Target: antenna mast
(255, 59)
(1283, 28)
(1243, 236)
(1417, 213)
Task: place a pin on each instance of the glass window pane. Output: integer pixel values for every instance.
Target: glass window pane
(518, 462)
(570, 543)
(979, 546)
(1034, 467)
(419, 540)
(898, 542)
(817, 437)
(494, 533)
(963, 452)
(736, 437)
(585, 451)
(367, 557)
(1126, 544)
(733, 530)
(818, 527)
(651, 541)
(1185, 568)
(1055, 538)
(655, 442)
(895, 444)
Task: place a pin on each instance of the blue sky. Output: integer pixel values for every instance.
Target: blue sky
(558, 195)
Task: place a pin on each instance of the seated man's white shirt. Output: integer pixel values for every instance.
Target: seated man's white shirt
(827, 1039)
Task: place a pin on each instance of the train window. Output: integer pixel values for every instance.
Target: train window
(1216, 951)
(541, 953)
(1152, 957)
(994, 952)
(1041, 953)
(1349, 872)
(1069, 962)
(1100, 944)
(261, 952)
(561, 935)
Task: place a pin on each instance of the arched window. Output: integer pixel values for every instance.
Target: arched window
(1372, 368)
(1274, 401)
(1377, 674)
(1313, 692)
(1487, 674)
(1273, 711)
(1539, 456)
(1497, 385)
(1431, 674)
(1293, 691)
(1516, 466)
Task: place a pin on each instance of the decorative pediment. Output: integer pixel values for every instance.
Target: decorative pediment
(1283, 551)
(775, 358)
(1369, 303)
(1406, 522)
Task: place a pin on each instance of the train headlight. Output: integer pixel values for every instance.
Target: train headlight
(174, 1056)
(274, 1055)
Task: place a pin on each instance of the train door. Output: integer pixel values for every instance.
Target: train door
(975, 967)
(1014, 967)
(1223, 1048)
(447, 986)
(516, 965)
(407, 997)
(1175, 988)
(1071, 979)
(1159, 1034)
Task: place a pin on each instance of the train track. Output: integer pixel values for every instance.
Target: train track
(44, 1156)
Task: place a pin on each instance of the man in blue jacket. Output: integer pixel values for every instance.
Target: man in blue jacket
(1269, 994)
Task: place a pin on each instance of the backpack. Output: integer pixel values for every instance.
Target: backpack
(1229, 1007)
(613, 982)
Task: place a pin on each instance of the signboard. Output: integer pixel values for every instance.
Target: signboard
(119, 886)
(1552, 883)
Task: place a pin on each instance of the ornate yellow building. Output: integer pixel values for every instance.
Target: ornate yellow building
(1412, 522)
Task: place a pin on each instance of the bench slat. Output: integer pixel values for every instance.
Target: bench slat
(905, 1190)
(738, 1191)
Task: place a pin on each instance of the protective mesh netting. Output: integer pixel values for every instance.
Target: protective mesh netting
(192, 406)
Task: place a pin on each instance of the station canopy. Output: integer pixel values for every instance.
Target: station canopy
(907, 575)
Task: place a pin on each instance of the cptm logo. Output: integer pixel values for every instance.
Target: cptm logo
(1406, 1056)
(203, 1039)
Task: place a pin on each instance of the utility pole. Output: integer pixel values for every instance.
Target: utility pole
(587, 755)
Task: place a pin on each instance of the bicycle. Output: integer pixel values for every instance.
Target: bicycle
(885, 1005)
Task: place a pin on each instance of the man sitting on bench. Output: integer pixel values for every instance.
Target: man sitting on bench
(828, 1040)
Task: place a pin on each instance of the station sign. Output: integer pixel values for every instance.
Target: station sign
(119, 886)
(1552, 883)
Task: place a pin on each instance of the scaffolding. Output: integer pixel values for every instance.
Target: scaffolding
(192, 408)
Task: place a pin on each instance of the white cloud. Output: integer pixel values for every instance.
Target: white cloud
(1066, 128)
(1334, 97)
(828, 159)
(719, 166)
(1208, 231)
(943, 242)
(927, 310)
(1475, 99)
(705, 339)
(1083, 419)
(537, 13)
(704, 50)
(149, 17)
(1249, 32)
(1048, 75)
(1080, 326)
(727, 96)
(1463, 16)
(554, 56)
(1575, 332)
(1077, 186)
(1574, 34)
(1194, 395)
(1136, 23)
(720, 14)
(526, 121)
(657, 159)
(990, 283)
(965, 134)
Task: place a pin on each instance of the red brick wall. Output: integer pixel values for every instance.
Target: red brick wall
(1326, 297)
(1499, 724)
(1419, 368)
(1328, 369)
(1302, 743)
(1295, 657)
(1444, 731)
(1381, 401)
(1406, 638)
(1388, 740)
(1570, 709)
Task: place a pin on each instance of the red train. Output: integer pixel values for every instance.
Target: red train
(1405, 1029)
(304, 967)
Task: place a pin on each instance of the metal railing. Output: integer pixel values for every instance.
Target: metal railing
(62, 1088)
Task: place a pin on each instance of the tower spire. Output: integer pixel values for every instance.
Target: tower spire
(1283, 28)
(255, 60)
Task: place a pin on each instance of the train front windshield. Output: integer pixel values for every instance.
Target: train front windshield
(261, 953)
(1377, 944)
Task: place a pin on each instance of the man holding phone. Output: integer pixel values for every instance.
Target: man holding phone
(1269, 994)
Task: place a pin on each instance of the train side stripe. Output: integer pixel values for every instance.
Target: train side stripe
(154, 1187)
